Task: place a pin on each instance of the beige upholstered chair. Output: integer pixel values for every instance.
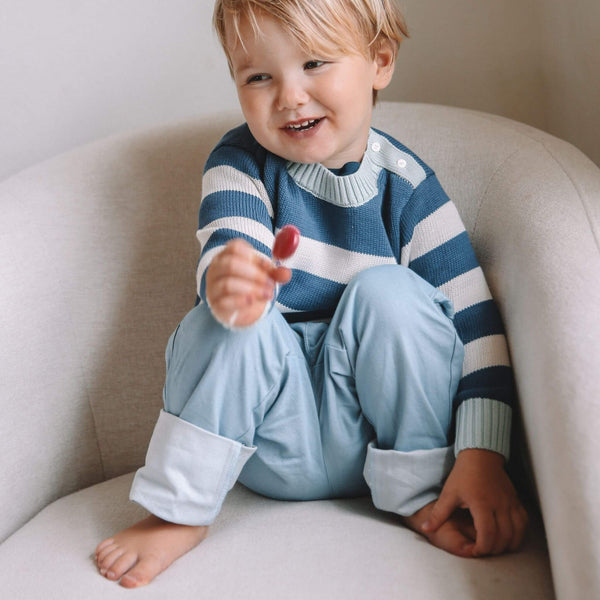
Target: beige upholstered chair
(97, 255)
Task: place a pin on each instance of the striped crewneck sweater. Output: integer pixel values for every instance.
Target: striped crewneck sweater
(387, 209)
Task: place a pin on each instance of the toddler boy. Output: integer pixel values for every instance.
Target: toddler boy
(380, 366)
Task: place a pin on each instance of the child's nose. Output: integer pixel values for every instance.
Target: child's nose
(291, 95)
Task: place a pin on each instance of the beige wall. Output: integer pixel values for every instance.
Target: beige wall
(479, 54)
(571, 70)
(71, 72)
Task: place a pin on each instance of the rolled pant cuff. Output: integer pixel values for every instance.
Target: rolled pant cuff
(188, 472)
(404, 482)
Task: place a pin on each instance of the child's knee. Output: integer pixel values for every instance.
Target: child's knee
(199, 332)
(394, 294)
(206, 361)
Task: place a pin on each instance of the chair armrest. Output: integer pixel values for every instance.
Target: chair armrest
(97, 261)
(539, 230)
(531, 204)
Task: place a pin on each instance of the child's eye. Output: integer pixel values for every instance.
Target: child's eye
(313, 64)
(257, 78)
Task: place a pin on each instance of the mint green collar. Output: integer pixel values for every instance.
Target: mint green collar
(361, 186)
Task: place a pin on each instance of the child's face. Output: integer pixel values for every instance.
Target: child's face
(301, 107)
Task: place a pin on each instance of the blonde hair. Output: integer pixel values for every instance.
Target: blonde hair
(325, 27)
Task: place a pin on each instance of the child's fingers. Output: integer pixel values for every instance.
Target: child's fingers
(237, 311)
(239, 269)
(486, 528)
(465, 525)
(233, 274)
(520, 519)
(441, 512)
(236, 286)
(243, 249)
(280, 274)
(248, 267)
(240, 247)
(239, 258)
(227, 304)
(239, 283)
(452, 540)
(505, 532)
(227, 294)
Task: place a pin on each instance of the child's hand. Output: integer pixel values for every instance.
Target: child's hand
(479, 483)
(240, 282)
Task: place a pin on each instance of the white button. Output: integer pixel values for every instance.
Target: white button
(401, 163)
(376, 147)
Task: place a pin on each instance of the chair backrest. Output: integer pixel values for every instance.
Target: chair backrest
(98, 265)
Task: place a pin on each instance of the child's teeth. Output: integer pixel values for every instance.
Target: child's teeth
(304, 124)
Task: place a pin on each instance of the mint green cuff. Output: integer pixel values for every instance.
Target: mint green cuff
(485, 424)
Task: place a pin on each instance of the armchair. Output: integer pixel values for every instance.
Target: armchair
(97, 262)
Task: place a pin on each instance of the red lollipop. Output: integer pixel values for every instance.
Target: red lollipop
(286, 242)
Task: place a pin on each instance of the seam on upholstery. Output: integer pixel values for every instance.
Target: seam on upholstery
(487, 188)
(81, 371)
(90, 405)
(85, 383)
(92, 412)
(576, 187)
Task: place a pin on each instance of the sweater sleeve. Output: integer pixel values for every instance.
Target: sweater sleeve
(235, 204)
(436, 246)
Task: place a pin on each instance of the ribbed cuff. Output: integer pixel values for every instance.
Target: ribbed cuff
(485, 424)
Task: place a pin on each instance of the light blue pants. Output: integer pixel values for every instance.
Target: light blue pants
(311, 410)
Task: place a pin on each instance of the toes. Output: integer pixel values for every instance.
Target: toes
(142, 573)
(109, 558)
(104, 544)
(106, 551)
(121, 565)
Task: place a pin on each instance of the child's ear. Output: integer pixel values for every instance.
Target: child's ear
(385, 61)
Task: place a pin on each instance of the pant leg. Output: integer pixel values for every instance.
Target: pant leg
(233, 400)
(392, 361)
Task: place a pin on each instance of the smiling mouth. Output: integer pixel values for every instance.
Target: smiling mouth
(304, 125)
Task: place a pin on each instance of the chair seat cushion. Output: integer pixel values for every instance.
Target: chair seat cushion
(264, 549)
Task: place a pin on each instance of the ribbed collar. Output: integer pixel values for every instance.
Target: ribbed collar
(343, 190)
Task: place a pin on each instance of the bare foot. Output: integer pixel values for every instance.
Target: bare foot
(138, 554)
(456, 535)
